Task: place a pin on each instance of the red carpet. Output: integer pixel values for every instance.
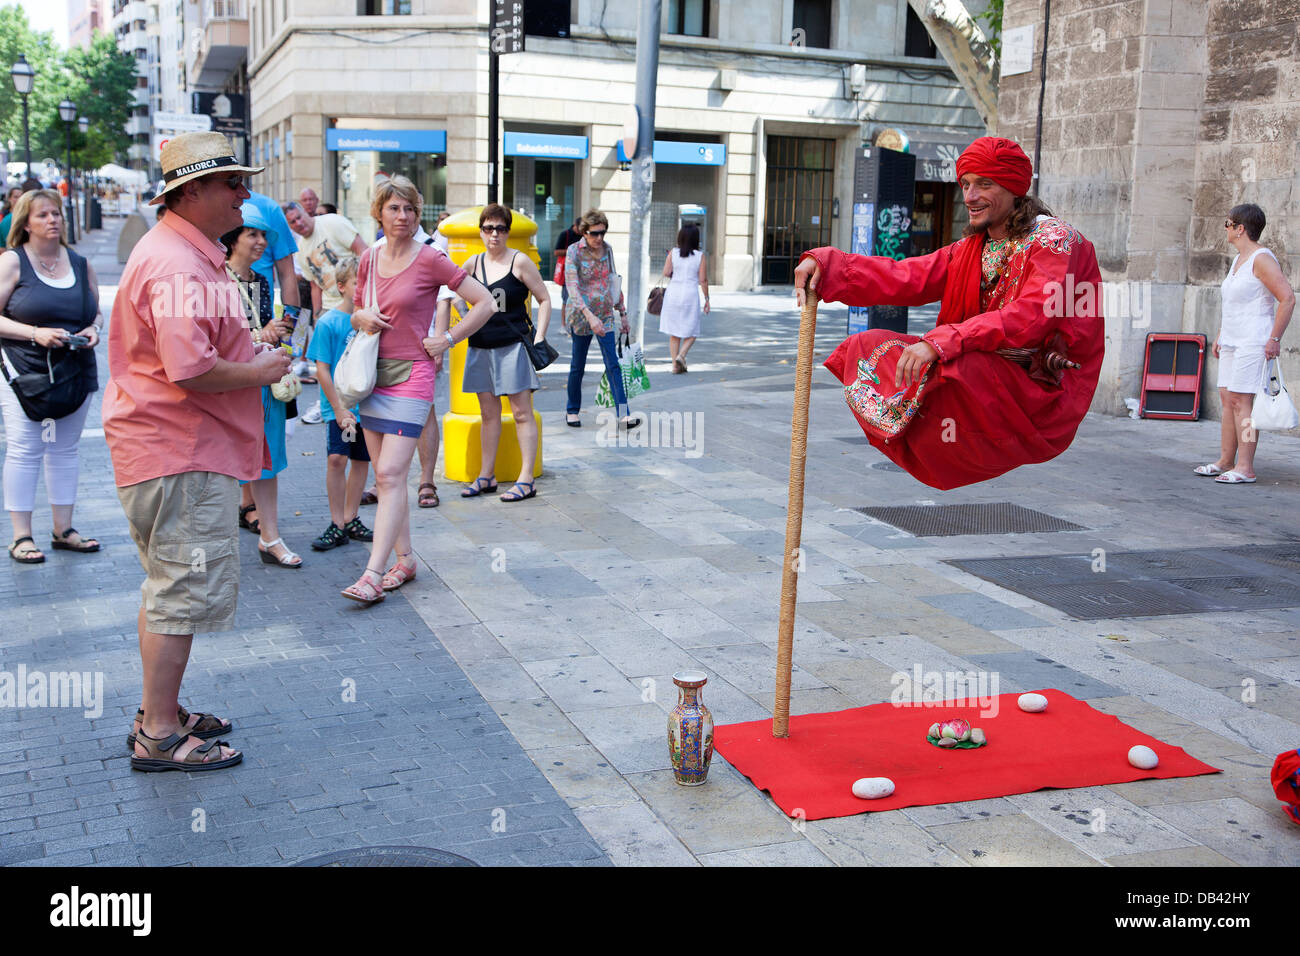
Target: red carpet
(1069, 745)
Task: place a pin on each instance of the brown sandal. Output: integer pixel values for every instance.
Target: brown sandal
(66, 542)
(429, 500)
(159, 758)
(205, 728)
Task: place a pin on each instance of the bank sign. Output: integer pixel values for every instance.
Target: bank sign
(387, 140)
(671, 152)
(545, 146)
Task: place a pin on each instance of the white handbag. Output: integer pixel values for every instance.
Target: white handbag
(1274, 410)
(354, 375)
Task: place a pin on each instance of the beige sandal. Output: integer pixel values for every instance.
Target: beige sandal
(160, 755)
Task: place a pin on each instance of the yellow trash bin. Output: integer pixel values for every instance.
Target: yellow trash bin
(462, 448)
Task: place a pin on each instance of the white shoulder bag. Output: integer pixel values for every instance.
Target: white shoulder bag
(354, 375)
(1274, 410)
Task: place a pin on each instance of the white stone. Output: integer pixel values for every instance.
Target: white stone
(873, 788)
(1032, 703)
(1142, 757)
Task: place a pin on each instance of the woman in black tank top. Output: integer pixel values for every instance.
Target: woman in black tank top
(496, 362)
(48, 295)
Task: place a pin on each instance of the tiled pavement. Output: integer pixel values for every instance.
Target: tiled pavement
(569, 613)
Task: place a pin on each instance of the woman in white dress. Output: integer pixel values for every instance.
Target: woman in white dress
(686, 267)
(1257, 305)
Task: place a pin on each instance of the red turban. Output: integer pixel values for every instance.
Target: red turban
(1000, 160)
(1286, 782)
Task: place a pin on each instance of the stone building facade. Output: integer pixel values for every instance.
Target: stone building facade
(1159, 116)
(760, 106)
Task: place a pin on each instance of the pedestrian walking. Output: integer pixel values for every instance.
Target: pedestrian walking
(496, 362)
(243, 247)
(343, 439)
(182, 418)
(679, 318)
(1017, 374)
(395, 284)
(1256, 304)
(595, 294)
(49, 298)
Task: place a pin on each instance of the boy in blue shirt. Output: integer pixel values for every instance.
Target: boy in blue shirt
(344, 440)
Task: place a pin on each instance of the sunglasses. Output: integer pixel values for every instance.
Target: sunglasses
(495, 228)
(235, 183)
(597, 233)
(1228, 224)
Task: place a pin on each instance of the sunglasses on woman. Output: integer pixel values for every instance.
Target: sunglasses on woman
(1228, 224)
(495, 228)
(597, 233)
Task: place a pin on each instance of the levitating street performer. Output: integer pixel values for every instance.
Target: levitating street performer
(1007, 374)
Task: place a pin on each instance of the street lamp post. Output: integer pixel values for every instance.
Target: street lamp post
(83, 124)
(24, 77)
(68, 113)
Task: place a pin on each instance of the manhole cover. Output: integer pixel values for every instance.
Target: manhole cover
(1000, 517)
(1244, 592)
(1283, 556)
(1025, 574)
(388, 856)
(1090, 602)
(1167, 565)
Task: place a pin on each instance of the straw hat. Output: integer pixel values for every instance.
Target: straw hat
(191, 155)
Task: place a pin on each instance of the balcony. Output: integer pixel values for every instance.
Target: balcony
(224, 44)
(129, 13)
(133, 40)
(140, 96)
(138, 125)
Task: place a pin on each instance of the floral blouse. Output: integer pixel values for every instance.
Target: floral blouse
(591, 280)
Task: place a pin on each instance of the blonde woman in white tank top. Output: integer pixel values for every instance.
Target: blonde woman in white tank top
(1257, 306)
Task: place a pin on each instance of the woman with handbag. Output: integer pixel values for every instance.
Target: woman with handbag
(49, 327)
(594, 296)
(1257, 303)
(244, 246)
(396, 283)
(497, 360)
(687, 269)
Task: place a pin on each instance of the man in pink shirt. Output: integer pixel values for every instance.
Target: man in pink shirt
(183, 419)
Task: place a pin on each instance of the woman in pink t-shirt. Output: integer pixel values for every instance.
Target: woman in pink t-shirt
(396, 282)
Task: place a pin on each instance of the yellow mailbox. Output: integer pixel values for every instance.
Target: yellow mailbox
(462, 452)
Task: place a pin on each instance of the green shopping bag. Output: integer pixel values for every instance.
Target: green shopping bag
(631, 364)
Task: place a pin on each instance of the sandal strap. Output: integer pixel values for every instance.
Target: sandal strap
(268, 545)
(26, 537)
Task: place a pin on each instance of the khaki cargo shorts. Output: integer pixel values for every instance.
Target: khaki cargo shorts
(185, 527)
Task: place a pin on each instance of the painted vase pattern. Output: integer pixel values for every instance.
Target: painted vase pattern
(690, 730)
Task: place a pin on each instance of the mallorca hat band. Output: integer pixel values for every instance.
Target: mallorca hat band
(201, 166)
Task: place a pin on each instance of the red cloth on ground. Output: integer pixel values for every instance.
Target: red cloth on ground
(1071, 744)
(1286, 782)
(982, 415)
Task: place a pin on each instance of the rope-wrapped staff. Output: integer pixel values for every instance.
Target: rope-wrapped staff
(794, 514)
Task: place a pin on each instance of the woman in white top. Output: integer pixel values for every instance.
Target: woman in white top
(687, 267)
(1257, 305)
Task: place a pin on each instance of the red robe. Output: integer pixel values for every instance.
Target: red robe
(981, 413)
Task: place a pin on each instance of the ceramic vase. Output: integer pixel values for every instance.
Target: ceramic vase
(690, 730)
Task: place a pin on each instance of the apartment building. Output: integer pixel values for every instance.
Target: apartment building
(761, 105)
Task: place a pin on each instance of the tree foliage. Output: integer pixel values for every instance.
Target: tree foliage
(990, 22)
(98, 79)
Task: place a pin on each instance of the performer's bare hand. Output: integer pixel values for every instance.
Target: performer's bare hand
(912, 363)
(807, 276)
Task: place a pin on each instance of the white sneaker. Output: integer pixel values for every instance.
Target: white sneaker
(312, 416)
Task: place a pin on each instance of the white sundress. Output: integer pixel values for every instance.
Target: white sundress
(680, 315)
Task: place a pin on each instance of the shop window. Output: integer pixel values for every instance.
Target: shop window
(383, 8)
(688, 17)
(547, 18)
(812, 24)
(917, 41)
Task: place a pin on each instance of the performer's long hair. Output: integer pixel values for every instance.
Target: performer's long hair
(1024, 210)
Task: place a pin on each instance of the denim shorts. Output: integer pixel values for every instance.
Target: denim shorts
(355, 450)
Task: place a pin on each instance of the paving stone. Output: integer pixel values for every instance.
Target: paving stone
(1234, 828)
(634, 836)
(1008, 841)
(878, 839)
(1034, 672)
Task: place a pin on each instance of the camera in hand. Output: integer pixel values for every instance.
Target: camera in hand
(78, 341)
